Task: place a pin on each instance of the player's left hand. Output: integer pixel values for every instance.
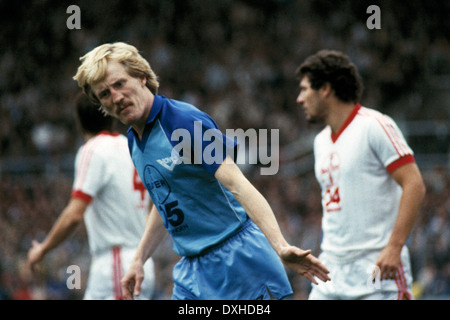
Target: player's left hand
(304, 263)
(388, 262)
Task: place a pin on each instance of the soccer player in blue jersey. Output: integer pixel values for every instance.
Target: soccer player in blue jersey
(224, 229)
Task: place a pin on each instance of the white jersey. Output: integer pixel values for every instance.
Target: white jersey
(106, 178)
(360, 199)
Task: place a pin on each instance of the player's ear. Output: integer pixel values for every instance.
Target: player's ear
(143, 81)
(326, 90)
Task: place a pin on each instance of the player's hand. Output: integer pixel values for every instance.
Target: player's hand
(388, 261)
(132, 281)
(304, 263)
(35, 254)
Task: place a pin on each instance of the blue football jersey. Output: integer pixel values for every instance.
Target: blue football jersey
(180, 150)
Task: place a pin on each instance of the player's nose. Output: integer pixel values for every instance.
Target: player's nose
(116, 95)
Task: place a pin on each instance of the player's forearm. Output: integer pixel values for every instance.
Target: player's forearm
(254, 203)
(259, 210)
(412, 196)
(64, 226)
(153, 235)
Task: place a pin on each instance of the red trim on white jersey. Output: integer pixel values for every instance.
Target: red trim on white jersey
(400, 162)
(397, 142)
(117, 273)
(108, 133)
(81, 195)
(347, 121)
(389, 129)
(86, 155)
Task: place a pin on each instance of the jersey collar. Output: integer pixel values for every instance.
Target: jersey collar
(154, 111)
(108, 133)
(156, 108)
(349, 119)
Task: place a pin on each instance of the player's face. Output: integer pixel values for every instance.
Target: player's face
(314, 107)
(123, 96)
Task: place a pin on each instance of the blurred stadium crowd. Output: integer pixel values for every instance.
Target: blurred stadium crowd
(235, 60)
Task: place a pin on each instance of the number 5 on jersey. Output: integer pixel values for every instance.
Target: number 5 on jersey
(174, 215)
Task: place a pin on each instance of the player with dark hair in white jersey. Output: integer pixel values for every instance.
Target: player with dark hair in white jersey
(111, 199)
(371, 186)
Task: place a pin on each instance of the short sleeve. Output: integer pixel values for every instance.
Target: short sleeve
(197, 139)
(89, 173)
(389, 144)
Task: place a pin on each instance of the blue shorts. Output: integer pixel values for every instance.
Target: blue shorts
(243, 267)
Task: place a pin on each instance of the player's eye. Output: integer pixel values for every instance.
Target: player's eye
(104, 94)
(118, 84)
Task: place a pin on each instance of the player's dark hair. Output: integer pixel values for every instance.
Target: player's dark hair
(335, 68)
(90, 118)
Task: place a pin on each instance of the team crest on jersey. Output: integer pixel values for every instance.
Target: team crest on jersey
(170, 162)
(156, 184)
(329, 179)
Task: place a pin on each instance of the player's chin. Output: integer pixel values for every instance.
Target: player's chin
(126, 118)
(309, 118)
(312, 119)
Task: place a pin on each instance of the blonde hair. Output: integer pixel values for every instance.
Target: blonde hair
(94, 63)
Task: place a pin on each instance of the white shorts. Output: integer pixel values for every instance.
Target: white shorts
(352, 279)
(108, 268)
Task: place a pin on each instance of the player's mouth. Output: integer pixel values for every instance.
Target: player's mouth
(124, 108)
(307, 113)
(305, 109)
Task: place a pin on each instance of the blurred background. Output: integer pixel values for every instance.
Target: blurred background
(236, 60)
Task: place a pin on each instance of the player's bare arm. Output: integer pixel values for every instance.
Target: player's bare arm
(260, 212)
(413, 192)
(66, 223)
(153, 235)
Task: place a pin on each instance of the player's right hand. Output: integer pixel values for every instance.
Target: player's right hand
(35, 254)
(304, 263)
